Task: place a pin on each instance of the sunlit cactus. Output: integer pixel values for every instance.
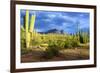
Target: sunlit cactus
(32, 22)
(26, 29)
(29, 28)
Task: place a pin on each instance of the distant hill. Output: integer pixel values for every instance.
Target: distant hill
(86, 30)
(52, 31)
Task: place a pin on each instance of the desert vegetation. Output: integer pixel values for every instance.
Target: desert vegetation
(37, 46)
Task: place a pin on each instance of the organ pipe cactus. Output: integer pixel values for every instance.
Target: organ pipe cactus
(29, 28)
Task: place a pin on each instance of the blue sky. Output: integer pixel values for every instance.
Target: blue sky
(66, 21)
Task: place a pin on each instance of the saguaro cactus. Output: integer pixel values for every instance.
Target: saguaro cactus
(26, 29)
(29, 28)
(32, 22)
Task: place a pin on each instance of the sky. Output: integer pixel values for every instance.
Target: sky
(66, 21)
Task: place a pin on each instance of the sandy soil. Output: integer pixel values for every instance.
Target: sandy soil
(67, 54)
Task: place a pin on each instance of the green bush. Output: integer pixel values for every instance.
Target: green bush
(59, 41)
(23, 44)
(51, 52)
(60, 44)
(75, 43)
(81, 39)
(68, 44)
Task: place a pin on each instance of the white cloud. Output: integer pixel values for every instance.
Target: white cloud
(51, 15)
(73, 19)
(47, 20)
(84, 23)
(63, 26)
(54, 26)
(39, 30)
(81, 15)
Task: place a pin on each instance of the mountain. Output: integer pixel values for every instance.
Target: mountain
(86, 30)
(52, 31)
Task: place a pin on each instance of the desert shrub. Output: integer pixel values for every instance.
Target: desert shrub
(68, 44)
(81, 39)
(25, 51)
(36, 39)
(71, 42)
(62, 41)
(44, 45)
(52, 43)
(23, 44)
(75, 43)
(51, 52)
(60, 44)
(57, 40)
(35, 42)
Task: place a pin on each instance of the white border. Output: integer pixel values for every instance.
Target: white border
(20, 65)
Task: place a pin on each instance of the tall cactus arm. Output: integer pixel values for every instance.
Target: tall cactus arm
(32, 22)
(26, 29)
(31, 29)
